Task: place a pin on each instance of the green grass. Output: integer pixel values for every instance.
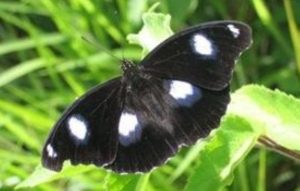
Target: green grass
(45, 64)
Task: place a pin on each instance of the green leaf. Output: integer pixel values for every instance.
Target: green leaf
(43, 175)
(143, 182)
(156, 28)
(294, 31)
(179, 9)
(19, 45)
(267, 19)
(19, 131)
(189, 158)
(226, 148)
(117, 182)
(21, 70)
(37, 119)
(272, 114)
(112, 181)
(135, 10)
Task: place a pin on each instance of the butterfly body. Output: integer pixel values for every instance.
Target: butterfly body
(174, 97)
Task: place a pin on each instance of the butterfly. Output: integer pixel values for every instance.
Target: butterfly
(175, 96)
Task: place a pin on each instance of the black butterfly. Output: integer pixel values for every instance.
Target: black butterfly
(176, 95)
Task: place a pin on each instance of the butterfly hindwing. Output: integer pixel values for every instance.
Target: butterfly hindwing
(202, 55)
(87, 131)
(159, 116)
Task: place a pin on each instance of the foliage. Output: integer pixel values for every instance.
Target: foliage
(45, 64)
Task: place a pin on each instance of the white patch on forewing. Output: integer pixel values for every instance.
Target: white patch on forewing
(235, 31)
(185, 93)
(129, 129)
(77, 127)
(180, 89)
(51, 152)
(202, 45)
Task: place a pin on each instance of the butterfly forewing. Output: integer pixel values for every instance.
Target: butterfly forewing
(202, 55)
(87, 131)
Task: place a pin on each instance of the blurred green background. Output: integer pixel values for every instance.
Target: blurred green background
(45, 64)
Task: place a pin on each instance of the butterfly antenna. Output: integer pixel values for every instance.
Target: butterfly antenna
(99, 46)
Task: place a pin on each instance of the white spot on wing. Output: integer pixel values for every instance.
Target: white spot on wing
(185, 93)
(180, 89)
(129, 129)
(51, 152)
(235, 31)
(202, 45)
(77, 127)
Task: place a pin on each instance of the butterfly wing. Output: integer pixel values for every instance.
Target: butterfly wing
(159, 116)
(202, 55)
(87, 132)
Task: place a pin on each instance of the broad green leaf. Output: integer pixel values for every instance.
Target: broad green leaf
(143, 182)
(226, 148)
(189, 158)
(156, 28)
(111, 181)
(117, 182)
(272, 114)
(43, 175)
